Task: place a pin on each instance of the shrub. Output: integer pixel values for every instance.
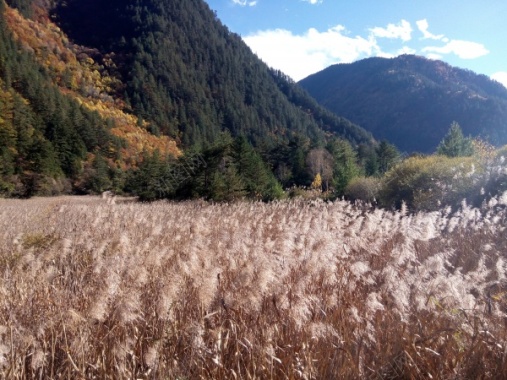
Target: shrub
(364, 189)
(428, 183)
(32, 184)
(495, 181)
(502, 152)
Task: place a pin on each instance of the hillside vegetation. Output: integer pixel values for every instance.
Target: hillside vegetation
(287, 290)
(107, 86)
(410, 101)
(433, 182)
(187, 73)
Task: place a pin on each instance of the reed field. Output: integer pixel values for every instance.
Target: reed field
(296, 289)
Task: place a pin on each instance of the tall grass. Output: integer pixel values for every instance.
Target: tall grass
(288, 290)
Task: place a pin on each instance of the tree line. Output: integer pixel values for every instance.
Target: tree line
(248, 131)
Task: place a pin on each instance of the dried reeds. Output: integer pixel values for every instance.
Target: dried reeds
(288, 290)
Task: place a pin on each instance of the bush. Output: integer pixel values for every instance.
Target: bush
(28, 185)
(363, 189)
(502, 152)
(428, 183)
(6, 187)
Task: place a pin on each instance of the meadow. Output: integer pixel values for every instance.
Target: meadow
(295, 289)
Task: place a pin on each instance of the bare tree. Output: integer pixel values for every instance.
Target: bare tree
(320, 161)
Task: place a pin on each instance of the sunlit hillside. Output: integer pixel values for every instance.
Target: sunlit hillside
(104, 288)
(90, 83)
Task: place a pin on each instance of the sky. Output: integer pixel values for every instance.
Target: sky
(301, 37)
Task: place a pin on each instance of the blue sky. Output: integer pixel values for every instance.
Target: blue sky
(301, 37)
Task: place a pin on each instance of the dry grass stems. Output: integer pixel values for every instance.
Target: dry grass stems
(290, 290)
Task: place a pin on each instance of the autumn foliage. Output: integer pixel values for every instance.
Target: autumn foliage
(79, 76)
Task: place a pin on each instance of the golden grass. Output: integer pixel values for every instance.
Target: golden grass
(288, 290)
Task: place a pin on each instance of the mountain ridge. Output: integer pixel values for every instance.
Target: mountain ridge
(411, 101)
(200, 77)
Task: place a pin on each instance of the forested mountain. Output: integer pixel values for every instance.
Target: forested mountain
(184, 71)
(116, 81)
(44, 134)
(411, 101)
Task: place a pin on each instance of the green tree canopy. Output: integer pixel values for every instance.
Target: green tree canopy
(387, 156)
(345, 165)
(455, 144)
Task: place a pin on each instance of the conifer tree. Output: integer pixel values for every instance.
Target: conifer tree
(345, 165)
(387, 156)
(454, 144)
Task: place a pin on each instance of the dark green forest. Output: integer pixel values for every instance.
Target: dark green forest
(178, 68)
(184, 71)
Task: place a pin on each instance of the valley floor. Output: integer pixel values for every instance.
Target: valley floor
(296, 289)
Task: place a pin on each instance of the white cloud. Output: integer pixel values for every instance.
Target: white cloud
(463, 49)
(301, 55)
(500, 77)
(434, 56)
(313, 2)
(406, 50)
(423, 26)
(245, 3)
(403, 31)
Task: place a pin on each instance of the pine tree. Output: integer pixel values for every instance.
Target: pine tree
(345, 165)
(100, 181)
(253, 171)
(387, 156)
(455, 144)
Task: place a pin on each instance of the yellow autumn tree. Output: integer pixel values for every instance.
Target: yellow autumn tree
(317, 182)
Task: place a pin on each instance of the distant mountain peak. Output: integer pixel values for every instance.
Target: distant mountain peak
(412, 100)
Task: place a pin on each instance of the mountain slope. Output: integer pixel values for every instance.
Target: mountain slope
(108, 84)
(411, 101)
(184, 71)
(77, 76)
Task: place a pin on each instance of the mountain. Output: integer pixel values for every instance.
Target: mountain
(110, 82)
(58, 118)
(411, 101)
(188, 75)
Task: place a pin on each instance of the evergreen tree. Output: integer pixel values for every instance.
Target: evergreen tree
(258, 179)
(345, 165)
(152, 179)
(387, 156)
(298, 148)
(100, 180)
(226, 183)
(454, 144)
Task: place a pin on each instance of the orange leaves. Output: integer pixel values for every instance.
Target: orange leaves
(78, 75)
